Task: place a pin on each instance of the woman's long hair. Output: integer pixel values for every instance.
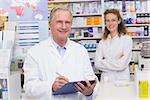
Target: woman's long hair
(121, 27)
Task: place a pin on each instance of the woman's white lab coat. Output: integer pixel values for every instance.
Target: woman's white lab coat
(113, 56)
(42, 63)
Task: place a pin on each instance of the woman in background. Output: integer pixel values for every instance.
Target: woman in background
(113, 53)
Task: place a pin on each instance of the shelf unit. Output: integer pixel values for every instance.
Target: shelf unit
(137, 25)
(58, 1)
(85, 21)
(86, 38)
(127, 7)
(80, 15)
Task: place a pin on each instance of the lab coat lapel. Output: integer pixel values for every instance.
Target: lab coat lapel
(53, 50)
(68, 50)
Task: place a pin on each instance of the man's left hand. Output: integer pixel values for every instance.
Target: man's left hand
(86, 90)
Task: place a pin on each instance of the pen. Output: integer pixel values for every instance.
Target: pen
(58, 74)
(62, 76)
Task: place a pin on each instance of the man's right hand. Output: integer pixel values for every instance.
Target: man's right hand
(59, 82)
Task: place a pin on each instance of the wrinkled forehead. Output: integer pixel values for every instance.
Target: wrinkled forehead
(61, 10)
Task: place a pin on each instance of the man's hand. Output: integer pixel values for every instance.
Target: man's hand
(86, 90)
(59, 82)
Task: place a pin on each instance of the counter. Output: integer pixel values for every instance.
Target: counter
(117, 91)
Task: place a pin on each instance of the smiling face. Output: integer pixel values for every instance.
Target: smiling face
(60, 25)
(112, 22)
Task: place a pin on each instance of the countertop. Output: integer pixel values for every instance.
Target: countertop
(117, 91)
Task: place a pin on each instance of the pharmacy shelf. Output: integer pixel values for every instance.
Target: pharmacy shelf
(137, 24)
(86, 38)
(92, 14)
(86, 26)
(140, 37)
(141, 12)
(134, 12)
(93, 50)
(58, 1)
(134, 49)
(101, 27)
(85, 19)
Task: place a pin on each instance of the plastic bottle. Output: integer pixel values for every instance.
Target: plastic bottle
(143, 89)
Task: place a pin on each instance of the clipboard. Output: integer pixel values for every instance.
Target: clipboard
(69, 88)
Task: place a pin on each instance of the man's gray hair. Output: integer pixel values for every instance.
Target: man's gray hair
(63, 8)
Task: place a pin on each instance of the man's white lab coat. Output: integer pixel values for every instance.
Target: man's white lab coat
(42, 63)
(113, 56)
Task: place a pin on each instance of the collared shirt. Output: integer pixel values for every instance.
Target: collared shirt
(60, 49)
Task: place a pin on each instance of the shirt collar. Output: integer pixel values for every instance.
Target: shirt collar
(57, 46)
(110, 38)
